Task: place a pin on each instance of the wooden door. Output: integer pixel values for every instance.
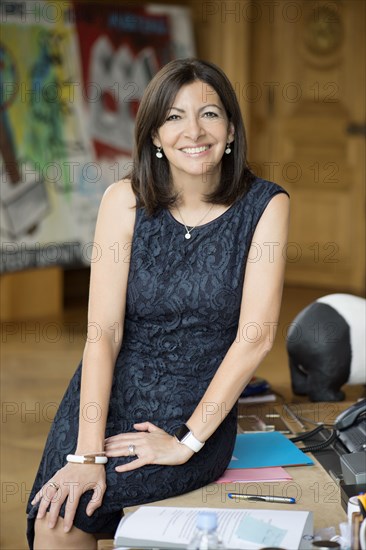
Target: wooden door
(307, 104)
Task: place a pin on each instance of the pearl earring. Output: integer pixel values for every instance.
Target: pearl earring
(228, 149)
(158, 153)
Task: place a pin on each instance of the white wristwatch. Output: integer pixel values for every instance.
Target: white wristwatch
(186, 437)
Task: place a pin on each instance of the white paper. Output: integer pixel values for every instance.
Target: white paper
(239, 528)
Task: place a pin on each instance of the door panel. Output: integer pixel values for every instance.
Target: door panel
(308, 88)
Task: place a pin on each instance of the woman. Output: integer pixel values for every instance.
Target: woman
(176, 332)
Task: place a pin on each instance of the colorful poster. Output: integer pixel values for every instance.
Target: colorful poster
(71, 79)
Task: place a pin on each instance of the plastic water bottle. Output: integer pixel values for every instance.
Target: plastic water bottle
(206, 536)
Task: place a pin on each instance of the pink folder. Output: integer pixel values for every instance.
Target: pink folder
(246, 475)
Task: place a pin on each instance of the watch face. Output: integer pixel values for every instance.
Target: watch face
(181, 432)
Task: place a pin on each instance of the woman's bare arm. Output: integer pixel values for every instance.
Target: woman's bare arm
(107, 301)
(260, 307)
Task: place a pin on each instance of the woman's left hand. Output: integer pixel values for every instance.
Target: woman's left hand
(150, 445)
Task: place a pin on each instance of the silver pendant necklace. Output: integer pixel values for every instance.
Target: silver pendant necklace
(189, 231)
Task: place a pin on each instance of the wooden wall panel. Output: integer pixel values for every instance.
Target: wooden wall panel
(300, 137)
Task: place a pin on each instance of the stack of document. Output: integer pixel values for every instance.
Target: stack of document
(167, 527)
(259, 457)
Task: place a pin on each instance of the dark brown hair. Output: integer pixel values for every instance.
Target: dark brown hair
(150, 176)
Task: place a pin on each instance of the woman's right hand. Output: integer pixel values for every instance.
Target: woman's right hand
(70, 482)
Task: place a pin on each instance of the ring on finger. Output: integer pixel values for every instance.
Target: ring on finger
(54, 485)
(131, 450)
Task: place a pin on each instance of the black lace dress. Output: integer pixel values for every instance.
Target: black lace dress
(183, 303)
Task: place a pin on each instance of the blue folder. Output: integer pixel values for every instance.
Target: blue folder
(266, 449)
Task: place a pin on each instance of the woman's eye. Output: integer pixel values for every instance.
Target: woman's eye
(173, 117)
(210, 114)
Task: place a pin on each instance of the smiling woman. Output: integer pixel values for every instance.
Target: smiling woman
(164, 376)
(189, 105)
(195, 136)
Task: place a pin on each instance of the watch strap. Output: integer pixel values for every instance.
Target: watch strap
(186, 437)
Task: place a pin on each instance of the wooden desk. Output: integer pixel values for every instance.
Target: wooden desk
(312, 487)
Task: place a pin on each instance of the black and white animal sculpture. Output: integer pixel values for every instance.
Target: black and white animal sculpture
(326, 347)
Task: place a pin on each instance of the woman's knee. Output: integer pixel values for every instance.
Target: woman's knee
(56, 539)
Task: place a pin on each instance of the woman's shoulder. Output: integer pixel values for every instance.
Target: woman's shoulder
(263, 189)
(118, 206)
(121, 191)
(260, 194)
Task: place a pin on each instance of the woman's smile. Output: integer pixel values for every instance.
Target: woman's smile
(196, 151)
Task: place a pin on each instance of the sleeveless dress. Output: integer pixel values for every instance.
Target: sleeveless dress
(182, 312)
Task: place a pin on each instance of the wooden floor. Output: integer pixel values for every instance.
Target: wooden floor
(38, 358)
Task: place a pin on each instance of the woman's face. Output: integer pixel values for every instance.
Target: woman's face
(195, 132)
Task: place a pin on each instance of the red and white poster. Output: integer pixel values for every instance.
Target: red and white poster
(72, 75)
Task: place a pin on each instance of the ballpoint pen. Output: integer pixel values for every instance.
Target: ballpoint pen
(263, 498)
